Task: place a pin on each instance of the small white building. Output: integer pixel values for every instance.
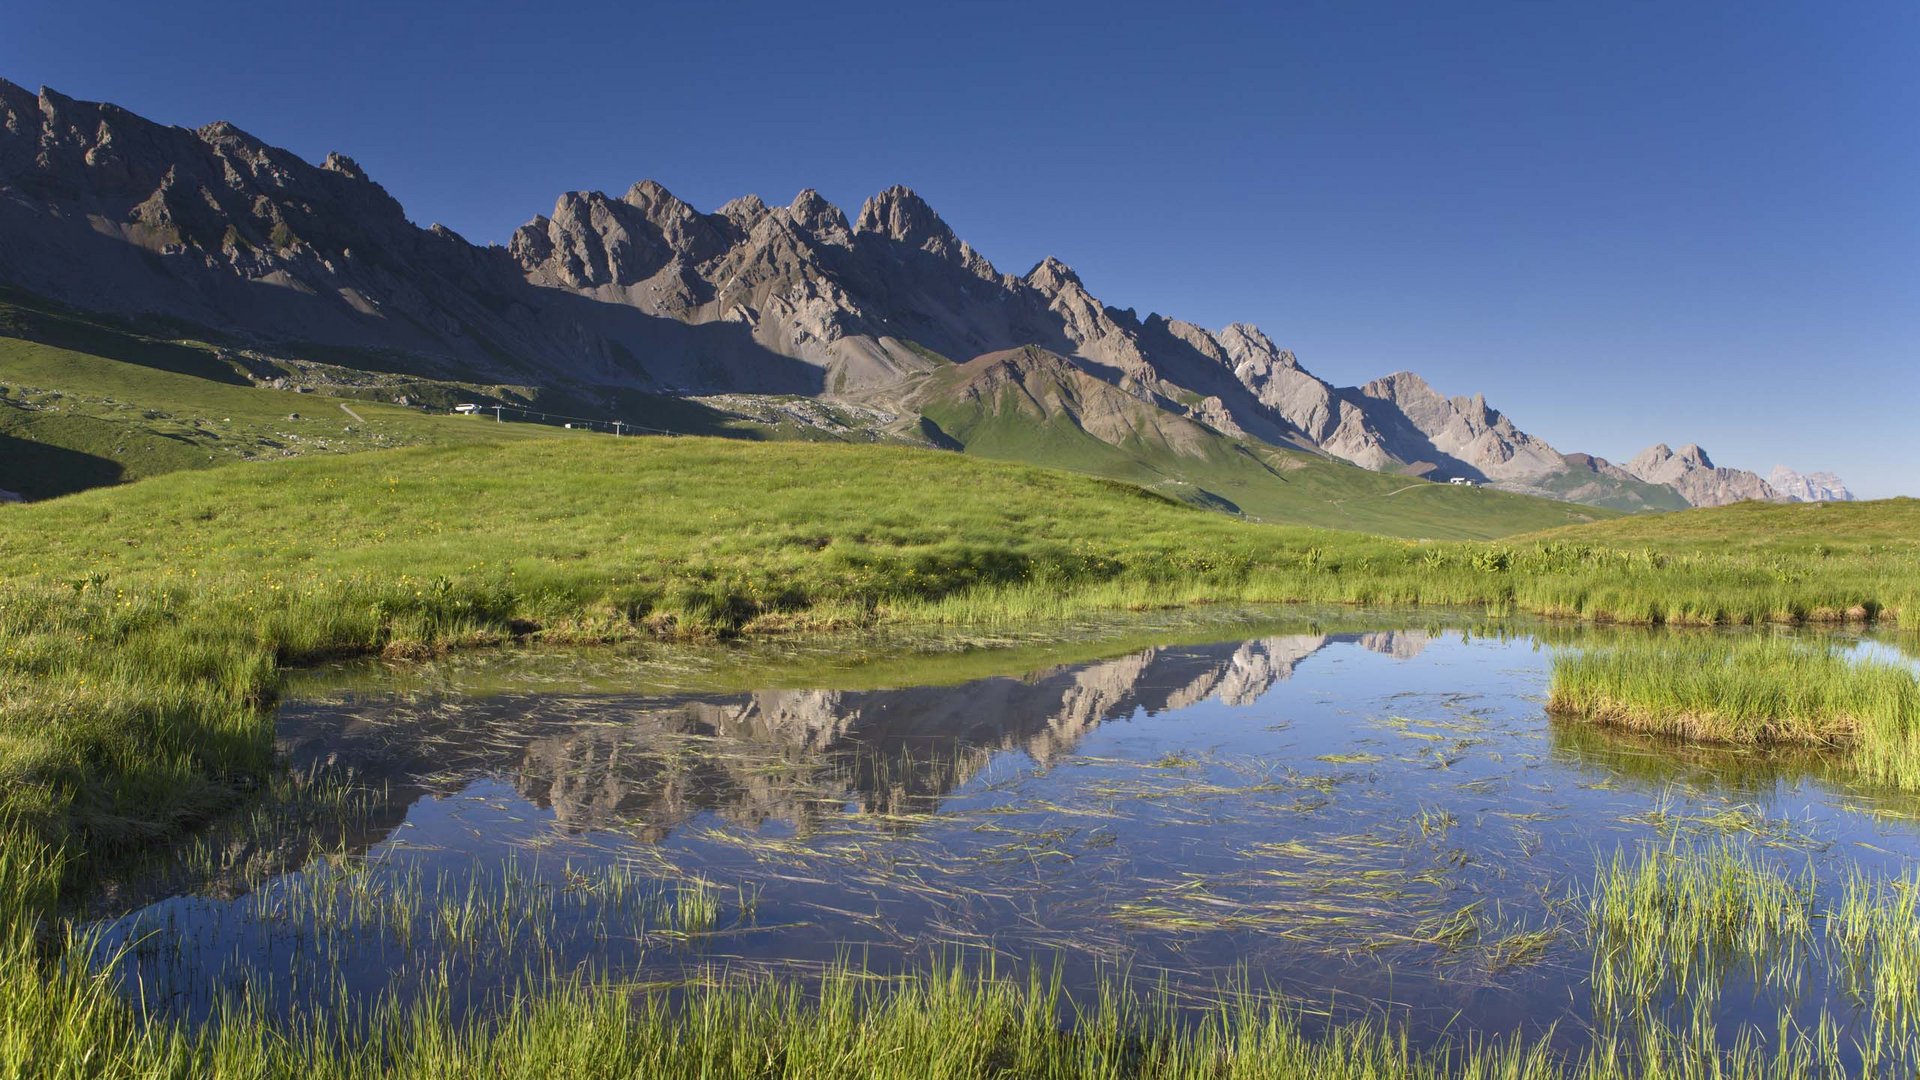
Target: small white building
(466, 410)
(1461, 481)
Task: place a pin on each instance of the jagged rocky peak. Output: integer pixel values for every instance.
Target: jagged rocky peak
(1427, 407)
(1690, 456)
(1660, 456)
(652, 198)
(744, 212)
(1196, 337)
(820, 218)
(1698, 480)
(1246, 342)
(898, 213)
(593, 240)
(338, 162)
(1051, 276)
(1652, 455)
(1402, 386)
(685, 230)
(227, 133)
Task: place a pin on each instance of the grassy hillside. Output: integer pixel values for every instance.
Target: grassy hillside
(1889, 527)
(1581, 483)
(1031, 406)
(86, 401)
(72, 421)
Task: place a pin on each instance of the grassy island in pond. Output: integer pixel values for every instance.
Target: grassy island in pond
(1763, 691)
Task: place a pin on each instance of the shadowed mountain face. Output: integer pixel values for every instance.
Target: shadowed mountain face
(104, 210)
(799, 756)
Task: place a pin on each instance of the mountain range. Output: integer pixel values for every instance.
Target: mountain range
(888, 311)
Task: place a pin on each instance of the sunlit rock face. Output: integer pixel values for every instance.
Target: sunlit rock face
(1693, 474)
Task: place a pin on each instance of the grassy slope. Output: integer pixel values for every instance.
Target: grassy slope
(1782, 530)
(71, 421)
(87, 401)
(1264, 483)
(96, 420)
(1626, 495)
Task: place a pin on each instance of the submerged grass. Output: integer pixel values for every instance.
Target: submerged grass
(1671, 926)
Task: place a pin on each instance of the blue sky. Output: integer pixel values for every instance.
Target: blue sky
(1624, 222)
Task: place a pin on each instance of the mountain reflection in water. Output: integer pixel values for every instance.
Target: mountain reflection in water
(780, 755)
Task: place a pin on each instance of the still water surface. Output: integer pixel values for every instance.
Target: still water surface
(1380, 822)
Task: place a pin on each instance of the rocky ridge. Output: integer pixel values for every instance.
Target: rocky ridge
(1689, 471)
(102, 209)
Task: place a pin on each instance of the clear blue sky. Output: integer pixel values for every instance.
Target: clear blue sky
(1623, 222)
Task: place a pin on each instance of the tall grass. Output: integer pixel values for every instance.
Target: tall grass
(1753, 690)
(951, 1024)
(1761, 691)
(1673, 920)
(1674, 925)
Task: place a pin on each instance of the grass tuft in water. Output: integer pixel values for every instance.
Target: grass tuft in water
(1761, 691)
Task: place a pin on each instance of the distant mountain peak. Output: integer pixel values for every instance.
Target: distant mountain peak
(1694, 455)
(1808, 487)
(1251, 333)
(900, 214)
(1693, 474)
(338, 162)
(652, 198)
(1051, 276)
(1406, 381)
(820, 218)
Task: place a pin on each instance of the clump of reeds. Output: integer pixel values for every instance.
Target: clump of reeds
(1755, 690)
(1673, 919)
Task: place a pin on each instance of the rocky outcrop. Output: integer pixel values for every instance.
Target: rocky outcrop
(1808, 487)
(1454, 436)
(1689, 471)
